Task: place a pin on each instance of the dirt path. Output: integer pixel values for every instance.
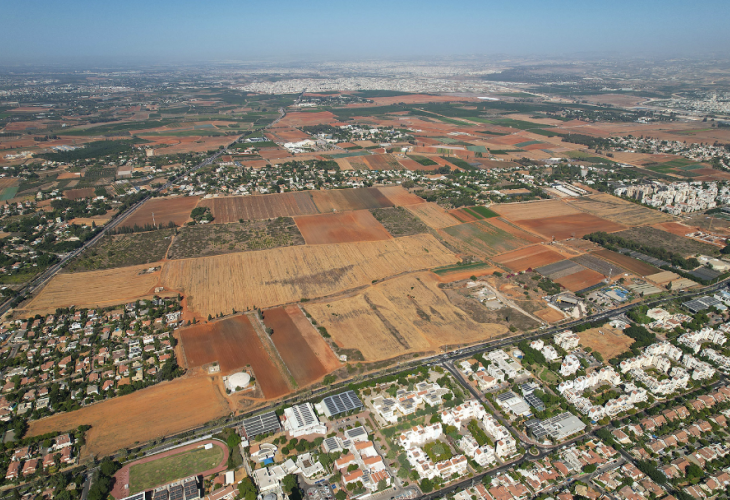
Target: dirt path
(270, 349)
(511, 303)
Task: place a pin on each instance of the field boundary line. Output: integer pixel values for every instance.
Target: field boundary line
(260, 328)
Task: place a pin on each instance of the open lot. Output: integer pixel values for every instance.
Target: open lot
(400, 197)
(235, 208)
(141, 416)
(618, 210)
(77, 194)
(165, 210)
(122, 250)
(405, 314)
(94, 289)
(284, 275)
(528, 258)
(299, 348)
(433, 215)
(569, 226)
(217, 239)
(606, 340)
(663, 239)
(234, 344)
(341, 227)
(338, 200)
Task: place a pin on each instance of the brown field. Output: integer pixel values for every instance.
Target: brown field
(341, 227)
(676, 228)
(432, 215)
(94, 289)
(338, 200)
(6, 182)
(233, 208)
(569, 226)
(461, 215)
(88, 221)
(294, 347)
(381, 162)
(612, 343)
(414, 165)
(534, 210)
(300, 119)
(172, 145)
(618, 210)
(400, 197)
(68, 175)
(512, 229)
(462, 275)
(141, 416)
(549, 315)
(629, 263)
(580, 280)
(234, 344)
(663, 277)
(166, 210)
(77, 194)
(528, 258)
(290, 134)
(285, 275)
(406, 314)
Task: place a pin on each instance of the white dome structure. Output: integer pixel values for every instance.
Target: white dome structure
(238, 380)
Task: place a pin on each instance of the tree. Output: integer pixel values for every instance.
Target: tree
(340, 495)
(289, 483)
(246, 489)
(426, 485)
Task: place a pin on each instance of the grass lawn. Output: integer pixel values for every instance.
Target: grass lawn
(426, 162)
(437, 451)
(146, 476)
(547, 376)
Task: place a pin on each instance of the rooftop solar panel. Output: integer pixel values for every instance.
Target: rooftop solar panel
(261, 424)
(341, 403)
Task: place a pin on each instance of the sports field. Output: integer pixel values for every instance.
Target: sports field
(148, 475)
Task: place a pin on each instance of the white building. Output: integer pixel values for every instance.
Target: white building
(463, 414)
(570, 365)
(567, 340)
(301, 420)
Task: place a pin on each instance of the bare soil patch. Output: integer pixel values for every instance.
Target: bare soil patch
(610, 343)
(569, 226)
(433, 215)
(77, 194)
(631, 264)
(534, 210)
(580, 280)
(528, 258)
(339, 200)
(235, 208)
(165, 210)
(341, 227)
(400, 197)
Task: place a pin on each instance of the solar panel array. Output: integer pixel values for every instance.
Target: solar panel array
(357, 431)
(176, 492)
(343, 402)
(261, 424)
(535, 402)
(138, 496)
(161, 495)
(191, 490)
(304, 415)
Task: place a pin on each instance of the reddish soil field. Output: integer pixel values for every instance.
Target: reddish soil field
(76, 194)
(462, 216)
(341, 227)
(414, 165)
(290, 134)
(268, 206)
(462, 275)
(303, 363)
(528, 258)
(172, 144)
(274, 154)
(675, 228)
(567, 226)
(166, 210)
(500, 223)
(69, 175)
(400, 197)
(629, 263)
(380, 162)
(337, 200)
(299, 119)
(233, 343)
(419, 98)
(580, 280)
(122, 475)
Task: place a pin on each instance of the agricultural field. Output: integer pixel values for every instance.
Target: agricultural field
(663, 239)
(146, 475)
(381, 162)
(341, 227)
(165, 210)
(514, 230)
(298, 344)
(91, 289)
(580, 280)
(528, 258)
(268, 206)
(400, 197)
(599, 265)
(77, 194)
(433, 215)
(482, 239)
(569, 226)
(285, 275)
(610, 342)
(399, 222)
(339, 200)
(115, 423)
(216, 239)
(121, 250)
(638, 267)
(406, 314)
(619, 211)
(234, 344)
(534, 210)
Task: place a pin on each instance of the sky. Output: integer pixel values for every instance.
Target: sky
(183, 31)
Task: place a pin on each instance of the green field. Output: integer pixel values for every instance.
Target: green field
(350, 154)
(458, 162)
(518, 124)
(426, 162)
(461, 267)
(146, 476)
(527, 143)
(8, 193)
(437, 451)
(505, 151)
(546, 133)
(484, 240)
(483, 211)
(477, 149)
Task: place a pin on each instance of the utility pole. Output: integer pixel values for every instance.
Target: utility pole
(153, 220)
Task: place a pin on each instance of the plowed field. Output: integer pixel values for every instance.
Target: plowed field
(432, 215)
(406, 314)
(233, 343)
(618, 210)
(341, 227)
(77, 194)
(338, 200)
(94, 289)
(400, 197)
(269, 206)
(299, 348)
(512, 229)
(283, 275)
(580, 280)
(147, 414)
(165, 210)
(629, 263)
(528, 258)
(569, 226)
(381, 162)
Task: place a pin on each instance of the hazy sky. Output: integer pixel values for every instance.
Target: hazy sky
(40, 31)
